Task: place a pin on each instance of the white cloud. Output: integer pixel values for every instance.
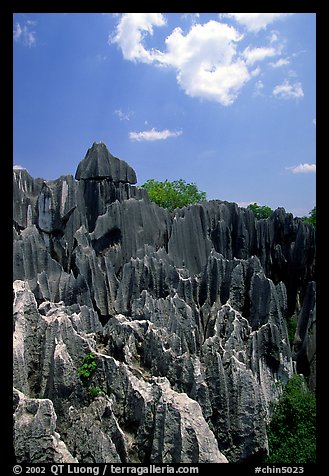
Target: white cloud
(280, 62)
(255, 22)
(123, 116)
(288, 91)
(274, 36)
(130, 32)
(259, 86)
(255, 72)
(24, 35)
(302, 168)
(314, 121)
(190, 16)
(153, 135)
(206, 59)
(252, 55)
(114, 15)
(206, 63)
(245, 204)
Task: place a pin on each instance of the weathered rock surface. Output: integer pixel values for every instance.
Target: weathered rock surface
(35, 438)
(305, 338)
(100, 164)
(185, 313)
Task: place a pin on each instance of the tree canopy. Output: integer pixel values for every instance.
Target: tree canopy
(260, 211)
(311, 218)
(292, 430)
(174, 194)
(263, 211)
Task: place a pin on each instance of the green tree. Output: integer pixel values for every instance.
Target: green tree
(174, 194)
(260, 211)
(87, 369)
(86, 372)
(292, 429)
(311, 218)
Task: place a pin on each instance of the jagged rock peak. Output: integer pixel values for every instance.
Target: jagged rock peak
(100, 164)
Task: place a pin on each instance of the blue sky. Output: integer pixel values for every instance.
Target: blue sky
(223, 100)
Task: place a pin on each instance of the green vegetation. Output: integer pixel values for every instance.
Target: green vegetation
(260, 211)
(311, 218)
(95, 391)
(86, 371)
(174, 194)
(291, 327)
(263, 211)
(291, 432)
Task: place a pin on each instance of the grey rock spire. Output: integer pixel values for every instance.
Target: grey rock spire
(100, 164)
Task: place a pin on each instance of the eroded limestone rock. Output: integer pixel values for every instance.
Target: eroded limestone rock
(185, 312)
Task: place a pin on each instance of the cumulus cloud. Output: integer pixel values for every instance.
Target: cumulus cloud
(255, 72)
(24, 34)
(153, 135)
(255, 22)
(288, 91)
(258, 54)
(280, 62)
(130, 33)
(302, 168)
(205, 59)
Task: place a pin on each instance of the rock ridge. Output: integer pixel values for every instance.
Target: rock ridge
(100, 164)
(185, 312)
